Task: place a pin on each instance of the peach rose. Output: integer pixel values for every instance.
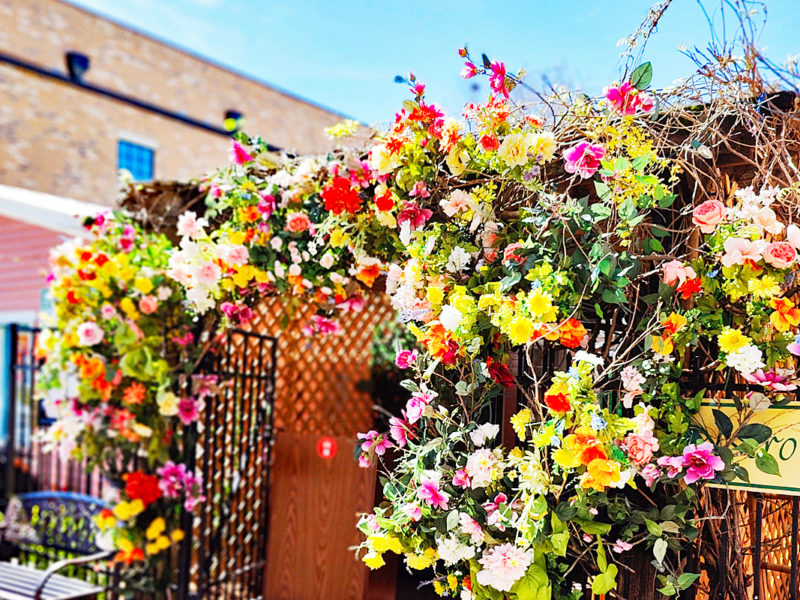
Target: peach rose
(640, 448)
(676, 272)
(148, 305)
(708, 215)
(297, 222)
(780, 255)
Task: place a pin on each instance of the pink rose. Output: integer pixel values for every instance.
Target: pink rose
(297, 222)
(780, 255)
(406, 358)
(148, 304)
(701, 462)
(510, 255)
(90, 333)
(676, 273)
(583, 159)
(640, 448)
(708, 215)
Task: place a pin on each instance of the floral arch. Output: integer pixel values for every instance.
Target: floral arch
(598, 227)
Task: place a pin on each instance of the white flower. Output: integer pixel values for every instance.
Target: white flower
(480, 465)
(503, 565)
(592, 359)
(458, 260)
(484, 432)
(276, 243)
(450, 317)
(190, 226)
(746, 359)
(451, 551)
(326, 262)
(382, 160)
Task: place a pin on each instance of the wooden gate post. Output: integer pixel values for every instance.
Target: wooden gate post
(508, 405)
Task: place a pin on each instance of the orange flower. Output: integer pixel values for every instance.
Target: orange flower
(368, 274)
(134, 394)
(129, 556)
(249, 214)
(674, 323)
(663, 345)
(558, 403)
(572, 333)
(785, 316)
(589, 448)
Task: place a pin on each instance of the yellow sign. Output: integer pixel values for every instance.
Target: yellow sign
(783, 445)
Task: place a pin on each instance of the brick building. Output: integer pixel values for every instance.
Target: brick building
(141, 104)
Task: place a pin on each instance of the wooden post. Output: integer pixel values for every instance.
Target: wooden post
(508, 406)
(643, 578)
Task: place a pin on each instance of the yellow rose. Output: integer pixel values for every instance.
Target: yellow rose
(514, 150)
(143, 285)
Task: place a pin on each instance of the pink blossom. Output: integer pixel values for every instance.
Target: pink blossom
(708, 215)
(701, 462)
(503, 565)
(406, 358)
(583, 159)
(469, 70)
(398, 430)
(377, 442)
(780, 255)
(416, 405)
(297, 222)
(107, 311)
(363, 461)
(640, 448)
(354, 303)
(188, 410)
(322, 326)
(189, 225)
(674, 465)
(471, 527)
(236, 255)
(650, 473)
(429, 492)
(208, 274)
(184, 340)
(771, 380)
(493, 511)
(148, 304)
(420, 190)
(461, 479)
(739, 250)
(497, 80)
(415, 216)
(238, 154)
(627, 99)
(90, 333)
(676, 273)
(413, 511)
(172, 478)
(794, 347)
(621, 546)
(266, 206)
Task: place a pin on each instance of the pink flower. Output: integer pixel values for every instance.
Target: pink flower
(429, 492)
(354, 303)
(584, 159)
(471, 527)
(510, 254)
(374, 441)
(188, 410)
(708, 215)
(739, 250)
(415, 407)
(621, 546)
(674, 465)
(771, 380)
(493, 511)
(148, 304)
(503, 565)
(461, 479)
(185, 340)
(413, 511)
(469, 70)
(676, 273)
(794, 347)
(415, 216)
(208, 274)
(363, 461)
(189, 225)
(107, 311)
(90, 333)
(700, 462)
(406, 358)
(627, 99)
(398, 430)
(238, 154)
(793, 235)
(640, 448)
(266, 206)
(236, 255)
(497, 80)
(650, 473)
(297, 222)
(780, 255)
(420, 190)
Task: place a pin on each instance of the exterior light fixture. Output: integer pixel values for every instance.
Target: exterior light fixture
(77, 65)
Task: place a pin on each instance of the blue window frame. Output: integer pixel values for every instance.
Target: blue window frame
(138, 159)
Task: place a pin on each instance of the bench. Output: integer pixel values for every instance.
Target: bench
(59, 521)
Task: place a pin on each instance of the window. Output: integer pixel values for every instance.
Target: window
(137, 159)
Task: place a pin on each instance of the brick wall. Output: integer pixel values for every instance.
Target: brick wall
(58, 138)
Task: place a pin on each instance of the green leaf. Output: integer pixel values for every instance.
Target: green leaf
(757, 431)
(486, 62)
(605, 581)
(653, 527)
(660, 550)
(687, 579)
(767, 463)
(535, 584)
(723, 423)
(597, 310)
(593, 527)
(642, 76)
(615, 296)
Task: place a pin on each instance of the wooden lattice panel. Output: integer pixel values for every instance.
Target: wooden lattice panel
(317, 378)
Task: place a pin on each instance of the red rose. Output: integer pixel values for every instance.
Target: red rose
(500, 373)
(140, 486)
(558, 403)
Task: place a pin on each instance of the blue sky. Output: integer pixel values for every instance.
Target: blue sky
(344, 54)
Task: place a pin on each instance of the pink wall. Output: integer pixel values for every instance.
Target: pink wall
(23, 263)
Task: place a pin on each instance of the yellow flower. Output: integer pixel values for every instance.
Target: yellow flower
(457, 161)
(156, 528)
(452, 581)
(373, 560)
(514, 149)
(167, 404)
(105, 520)
(764, 287)
(434, 294)
(143, 285)
(161, 543)
(128, 510)
(142, 430)
(244, 275)
(520, 420)
(663, 346)
(487, 300)
(177, 535)
(421, 561)
(540, 305)
(382, 543)
(339, 238)
(438, 588)
(520, 330)
(543, 145)
(129, 308)
(237, 237)
(600, 473)
(731, 340)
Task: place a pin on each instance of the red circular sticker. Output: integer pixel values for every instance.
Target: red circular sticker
(327, 447)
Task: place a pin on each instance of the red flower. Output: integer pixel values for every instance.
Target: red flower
(489, 142)
(140, 486)
(339, 196)
(558, 403)
(500, 373)
(689, 287)
(572, 333)
(384, 201)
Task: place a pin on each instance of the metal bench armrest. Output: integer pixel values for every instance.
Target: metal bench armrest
(57, 566)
